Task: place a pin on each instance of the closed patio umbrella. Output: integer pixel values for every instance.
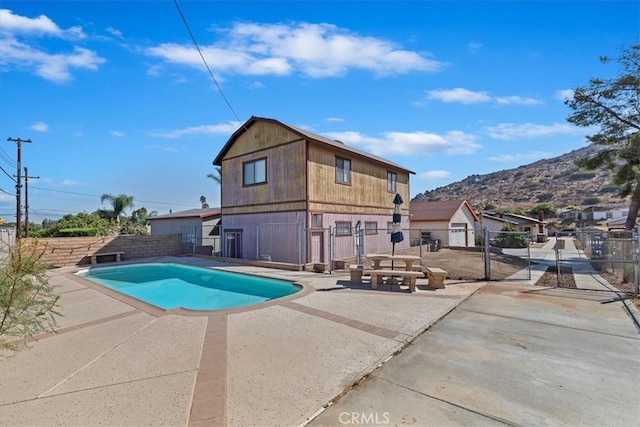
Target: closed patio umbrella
(396, 230)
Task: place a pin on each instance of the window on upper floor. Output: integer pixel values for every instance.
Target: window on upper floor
(343, 170)
(392, 182)
(343, 228)
(254, 172)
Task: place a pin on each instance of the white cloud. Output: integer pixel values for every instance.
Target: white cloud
(410, 143)
(530, 156)
(474, 47)
(116, 133)
(18, 53)
(436, 175)
(518, 100)
(564, 94)
(460, 95)
(220, 129)
(256, 85)
(114, 32)
(71, 183)
(510, 131)
(334, 119)
(315, 50)
(39, 127)
(15, 24)
(465, 96)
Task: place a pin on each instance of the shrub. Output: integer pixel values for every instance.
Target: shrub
(509, 237)
(27, 302)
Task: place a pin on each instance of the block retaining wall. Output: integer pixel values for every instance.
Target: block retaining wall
(66, 251)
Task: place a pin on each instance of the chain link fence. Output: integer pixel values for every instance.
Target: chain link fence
(612, 254)
(465, 256)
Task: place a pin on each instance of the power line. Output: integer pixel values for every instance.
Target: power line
(4, 156)
(186, 24)
(94, 195)
(6, 173)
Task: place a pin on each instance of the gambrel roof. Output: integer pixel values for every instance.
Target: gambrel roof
(438, 211)
(339, 146)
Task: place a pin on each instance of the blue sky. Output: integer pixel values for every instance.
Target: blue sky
(116, 98)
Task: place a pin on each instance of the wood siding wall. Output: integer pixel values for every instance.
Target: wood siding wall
(285, 189)
(367, 193)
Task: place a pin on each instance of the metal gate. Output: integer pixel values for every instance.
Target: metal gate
(508, 255)
(598, 260)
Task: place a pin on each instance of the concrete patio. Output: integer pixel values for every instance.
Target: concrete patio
(302, 359)
(111, 363)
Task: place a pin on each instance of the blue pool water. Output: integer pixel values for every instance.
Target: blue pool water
(170, 286)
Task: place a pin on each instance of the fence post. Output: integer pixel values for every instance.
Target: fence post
(487, 253)
(330, 242)
(636, 245)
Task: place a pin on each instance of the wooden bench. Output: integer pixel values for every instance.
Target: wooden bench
(116, 255)
(436, 276)
(377, 277)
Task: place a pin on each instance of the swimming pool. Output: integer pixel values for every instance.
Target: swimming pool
(171, 286)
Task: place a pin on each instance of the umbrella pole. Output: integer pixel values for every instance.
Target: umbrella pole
(393, 252)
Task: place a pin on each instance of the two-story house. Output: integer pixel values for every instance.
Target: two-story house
(283, 189)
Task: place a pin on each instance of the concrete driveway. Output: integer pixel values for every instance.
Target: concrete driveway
(514, 355)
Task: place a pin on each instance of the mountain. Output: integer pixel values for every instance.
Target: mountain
(558, 181)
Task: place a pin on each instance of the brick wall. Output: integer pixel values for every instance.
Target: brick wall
(65, 251)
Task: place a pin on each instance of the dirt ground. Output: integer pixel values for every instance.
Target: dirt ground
(468, 264)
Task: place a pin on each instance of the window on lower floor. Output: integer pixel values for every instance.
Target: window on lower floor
(370, 227)
(343, 228)
(317, 220)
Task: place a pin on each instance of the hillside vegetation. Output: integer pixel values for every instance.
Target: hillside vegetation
(558, 181)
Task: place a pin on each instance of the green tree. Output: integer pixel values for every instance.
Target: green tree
(141, 216)
(545, 207)
(119, 204)
(27, 302)
(509, 237)
(217, 175)
(613, 107)
(93, 223)
(203, 202)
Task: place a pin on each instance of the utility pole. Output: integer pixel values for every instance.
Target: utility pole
(19, 142)
(26, 200)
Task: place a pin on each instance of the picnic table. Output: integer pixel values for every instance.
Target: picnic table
(408, 260)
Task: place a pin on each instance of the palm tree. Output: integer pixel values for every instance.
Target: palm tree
(217, 176)
(119, 203)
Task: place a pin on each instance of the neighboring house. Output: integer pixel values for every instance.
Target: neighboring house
(199, 228)
(598, 213)
(595, 213)
(450, 221)
(614, 224)
(284, 187)
(495, 221)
